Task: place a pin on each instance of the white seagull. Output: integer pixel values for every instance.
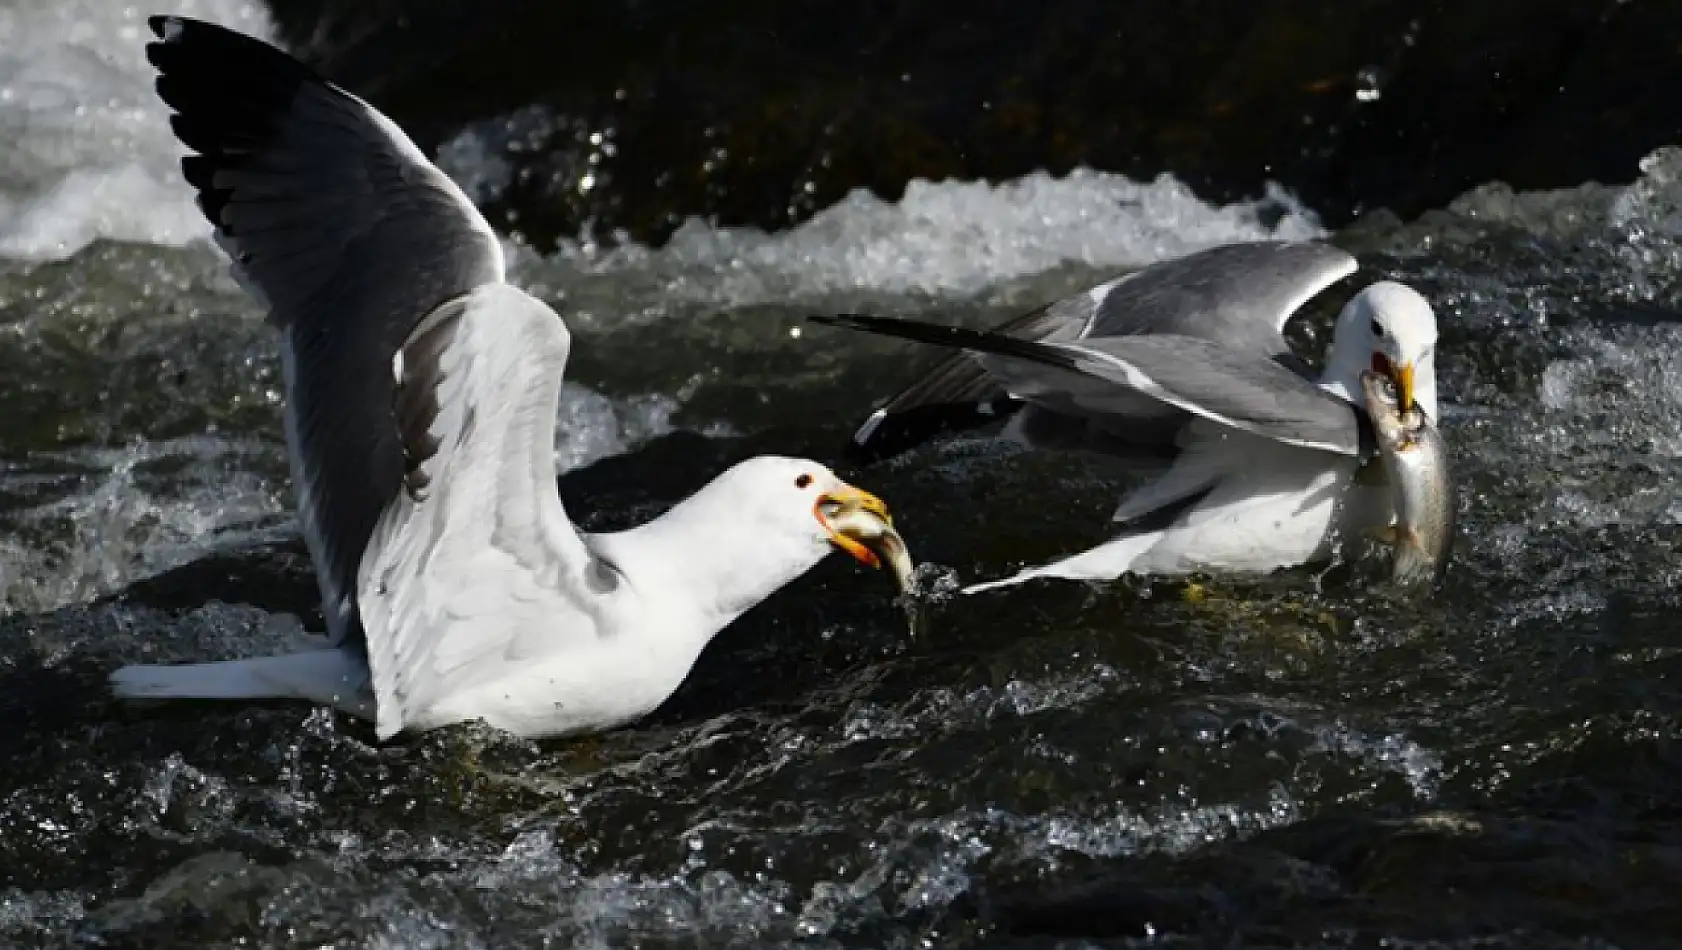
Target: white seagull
(421, 397)
(1249, 460)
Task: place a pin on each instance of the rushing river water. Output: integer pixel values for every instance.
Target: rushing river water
(1300, 761)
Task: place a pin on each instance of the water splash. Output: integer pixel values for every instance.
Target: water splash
(130, 512)
(950, 239)
(89, 153)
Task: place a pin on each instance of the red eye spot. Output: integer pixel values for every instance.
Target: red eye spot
(803, 481)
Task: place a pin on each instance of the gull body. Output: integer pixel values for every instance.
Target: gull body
(1247, 460)
(421, 398)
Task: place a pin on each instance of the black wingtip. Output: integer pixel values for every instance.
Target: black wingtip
(861, 321)
(895, 429)
(886, 434)
(172, 27)
(847, 321)
(210, 51)
(228, 92)
(936, 334)
(933, 333)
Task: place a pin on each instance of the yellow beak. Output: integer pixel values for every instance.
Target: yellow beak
(1404, 387)
(834, 508)
(1401, 375)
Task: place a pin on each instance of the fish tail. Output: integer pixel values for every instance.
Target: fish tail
(1413, 565)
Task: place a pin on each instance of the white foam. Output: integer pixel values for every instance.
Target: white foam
(477, 156)
(119, 528)
(949, 239)
(946, 238)
(86, 151)
(89, 154)
(1621, 388)
(591, 427)
(1421, 767)
(116, 528)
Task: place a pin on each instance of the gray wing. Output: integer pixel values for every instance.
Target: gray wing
(957, 394)
(1180, 375)
(342, 228)
(1153, 381)
(1237, 295)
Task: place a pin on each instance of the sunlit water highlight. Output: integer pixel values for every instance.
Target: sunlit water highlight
(1307, 750)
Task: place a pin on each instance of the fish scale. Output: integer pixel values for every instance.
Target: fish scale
(1416, 464)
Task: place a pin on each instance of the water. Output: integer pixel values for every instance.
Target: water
(1300, 761)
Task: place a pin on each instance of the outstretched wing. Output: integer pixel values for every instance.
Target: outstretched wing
(1237, 295)
(341, 227)
(956, 394)
(400, 342)
(1152, 379)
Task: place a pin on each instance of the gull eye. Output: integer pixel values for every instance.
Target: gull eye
(803, 481)
(1377, 329)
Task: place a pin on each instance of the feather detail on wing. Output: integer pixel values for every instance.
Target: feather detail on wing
(471, 557)
(339, 225)
(1237, 295)
(1108, 377)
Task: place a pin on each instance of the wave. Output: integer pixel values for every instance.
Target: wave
(87, 151)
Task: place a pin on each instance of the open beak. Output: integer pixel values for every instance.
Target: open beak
(859, 523)
(1401, 376)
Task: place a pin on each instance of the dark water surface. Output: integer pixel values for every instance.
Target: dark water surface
(762, 112)
(1302, 761)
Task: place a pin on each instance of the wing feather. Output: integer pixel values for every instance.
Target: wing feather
(1237, 295)
(337, 224)
(1106, 377)
(478, 552)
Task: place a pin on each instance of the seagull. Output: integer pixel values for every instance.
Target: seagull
(421, 398)
(1247, 460)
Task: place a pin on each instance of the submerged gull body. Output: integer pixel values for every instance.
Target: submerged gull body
(421, 398)
(1248, 459)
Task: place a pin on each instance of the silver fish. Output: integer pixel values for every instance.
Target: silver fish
(1416, 464)
(876, 533)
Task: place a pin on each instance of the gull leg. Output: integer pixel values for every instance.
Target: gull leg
(1106, 562)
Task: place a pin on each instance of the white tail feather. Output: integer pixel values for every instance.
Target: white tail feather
(1106, 562)
(329, 677)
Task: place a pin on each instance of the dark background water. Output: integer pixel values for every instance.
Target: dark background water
(1302, 761)
(763, 111)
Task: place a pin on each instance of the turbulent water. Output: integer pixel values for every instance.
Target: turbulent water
(1303, 761)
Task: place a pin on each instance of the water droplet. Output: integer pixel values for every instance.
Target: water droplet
(1367, 84)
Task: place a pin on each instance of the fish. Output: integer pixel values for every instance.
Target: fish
(877, 534)
(1416, 464)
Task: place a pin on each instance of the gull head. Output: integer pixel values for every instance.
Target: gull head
(1389, 329)
(832, 512)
